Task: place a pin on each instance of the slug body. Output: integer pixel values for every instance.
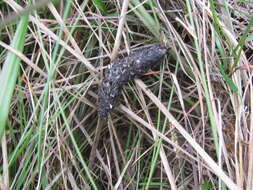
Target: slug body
(123, 70)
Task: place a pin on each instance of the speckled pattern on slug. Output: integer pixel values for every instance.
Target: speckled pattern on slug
(123, 70)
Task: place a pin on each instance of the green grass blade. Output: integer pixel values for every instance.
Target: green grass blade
(100, 5)
(146, 18)
(242, 41)
(10, 71)
(224, 66)
(204, 81)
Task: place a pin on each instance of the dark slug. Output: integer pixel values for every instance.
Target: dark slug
(123, 70)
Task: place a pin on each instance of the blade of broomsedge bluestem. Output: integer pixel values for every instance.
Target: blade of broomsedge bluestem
(10, 71)
(123, 70)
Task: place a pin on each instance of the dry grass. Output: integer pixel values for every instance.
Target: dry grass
(186, 125)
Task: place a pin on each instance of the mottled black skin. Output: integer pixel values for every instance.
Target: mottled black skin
(124, 70)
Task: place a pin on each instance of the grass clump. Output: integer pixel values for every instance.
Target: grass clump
(185, 125)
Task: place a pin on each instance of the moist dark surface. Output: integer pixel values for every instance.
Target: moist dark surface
(123, 70)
